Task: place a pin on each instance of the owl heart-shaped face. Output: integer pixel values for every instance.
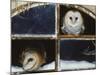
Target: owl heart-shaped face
(73, 18)
(32, 60)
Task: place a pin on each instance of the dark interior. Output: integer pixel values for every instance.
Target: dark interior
(73, 50)
(18, 46)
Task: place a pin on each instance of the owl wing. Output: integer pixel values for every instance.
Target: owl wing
(82, 29)
(63, 29)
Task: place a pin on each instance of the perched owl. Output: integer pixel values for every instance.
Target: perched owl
(32, 59)
(73, 23)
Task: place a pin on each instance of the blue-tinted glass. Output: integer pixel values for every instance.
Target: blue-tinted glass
(37, 20)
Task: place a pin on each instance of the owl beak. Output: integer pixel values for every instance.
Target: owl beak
(73, 22)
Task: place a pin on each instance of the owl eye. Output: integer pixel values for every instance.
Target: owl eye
(70, 18)
(76, 18)
(30, 60)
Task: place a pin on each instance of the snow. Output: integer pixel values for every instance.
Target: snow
(17, 69)
(71, 65)
(65, 65)
(48, 66)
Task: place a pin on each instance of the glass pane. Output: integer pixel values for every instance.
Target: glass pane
(77, 54)
(35, 18)
(77, 19)
(35, 55)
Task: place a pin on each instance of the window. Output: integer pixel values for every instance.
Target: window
(50, 37)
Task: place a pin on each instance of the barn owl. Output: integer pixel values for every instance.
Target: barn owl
(73, 23)
(32, 59)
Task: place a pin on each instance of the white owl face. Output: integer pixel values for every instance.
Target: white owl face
(32, 60)
(73, 18)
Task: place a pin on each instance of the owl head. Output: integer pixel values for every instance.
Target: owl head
(32, 59)
(73, 18)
